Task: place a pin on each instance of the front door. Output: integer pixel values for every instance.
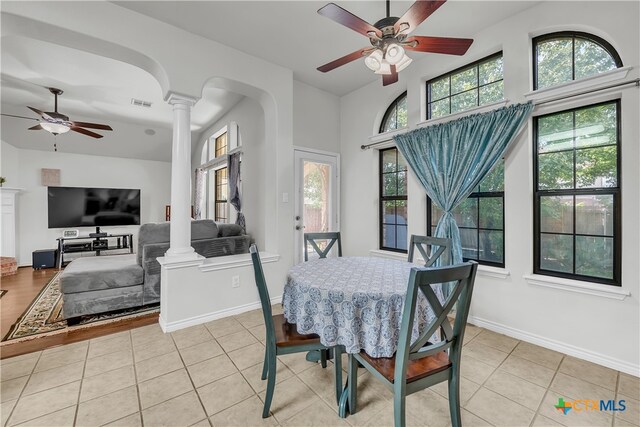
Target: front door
(316, 195)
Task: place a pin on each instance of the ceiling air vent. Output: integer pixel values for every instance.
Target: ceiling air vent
(140, 103)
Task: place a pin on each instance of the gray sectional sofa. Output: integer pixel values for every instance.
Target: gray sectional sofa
(94, 285)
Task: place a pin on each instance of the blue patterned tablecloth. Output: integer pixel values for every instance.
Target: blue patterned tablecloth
(353, 301)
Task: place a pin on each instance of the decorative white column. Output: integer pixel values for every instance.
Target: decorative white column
(180, 236)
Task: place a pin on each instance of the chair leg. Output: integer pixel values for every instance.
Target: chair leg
(454, 399)
(352, 385)
(264, 366)
(337, 371)
(271, 383)
(399, 409)
(323, 358)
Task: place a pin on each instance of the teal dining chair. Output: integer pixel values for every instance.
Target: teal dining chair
(331, 237)
(283, 338)
(425, 245)
(421, 364)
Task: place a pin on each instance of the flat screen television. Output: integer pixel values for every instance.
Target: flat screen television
(92, 207)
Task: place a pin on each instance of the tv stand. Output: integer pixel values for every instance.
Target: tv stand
(98, 233)
(98, 244)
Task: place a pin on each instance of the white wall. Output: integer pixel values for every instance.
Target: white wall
(316, 118)
(79, 170)
(249, 116)
(9, 164)
(600, 329)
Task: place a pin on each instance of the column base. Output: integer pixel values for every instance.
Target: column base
(181, 254)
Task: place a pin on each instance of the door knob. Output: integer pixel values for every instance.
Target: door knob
(297, 217)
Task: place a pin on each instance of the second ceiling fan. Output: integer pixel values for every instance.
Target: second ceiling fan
(390, 38)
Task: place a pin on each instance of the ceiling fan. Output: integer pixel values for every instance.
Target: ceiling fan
(57, 123)
(390, 39)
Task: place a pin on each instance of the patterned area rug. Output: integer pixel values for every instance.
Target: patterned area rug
(44, 316)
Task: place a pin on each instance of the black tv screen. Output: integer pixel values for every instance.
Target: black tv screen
(93, 207)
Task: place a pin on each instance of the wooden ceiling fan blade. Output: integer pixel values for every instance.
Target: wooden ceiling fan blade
(91, 125)
(348, 19)
(20, 117)
(85, 132)
(36, 127)
(417, 13)
(342, 61)
(389, 79)
(446, 45)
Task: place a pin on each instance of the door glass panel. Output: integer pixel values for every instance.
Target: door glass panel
(316, 203)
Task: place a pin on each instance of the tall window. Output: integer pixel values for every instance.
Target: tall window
(473, 85)
(220, 145)
(480, 219)
(393, 201)
(221, 191)
(566, 56)
(217, 172)
(577, 194)
(396, 115)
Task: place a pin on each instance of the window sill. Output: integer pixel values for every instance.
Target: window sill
(605, 291)
(234, 261)
(576, 86)
(483, 270)
(388, 254)
(493, 272)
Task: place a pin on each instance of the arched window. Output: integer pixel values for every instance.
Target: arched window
(566, 56)
(396, 115)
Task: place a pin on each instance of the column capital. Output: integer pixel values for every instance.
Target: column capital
(175, 98)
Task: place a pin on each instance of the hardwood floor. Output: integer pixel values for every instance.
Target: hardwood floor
(22, 288)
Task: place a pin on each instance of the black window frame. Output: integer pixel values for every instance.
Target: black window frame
(616, 192)
(475, 64)
(384, 198)
(393, 108)
(477, 195)
(608, 47)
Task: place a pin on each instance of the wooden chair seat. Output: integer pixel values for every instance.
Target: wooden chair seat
(287, 335)
(416, 369)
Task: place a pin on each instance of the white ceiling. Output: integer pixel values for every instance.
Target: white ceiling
(288, 33)
(293, 35)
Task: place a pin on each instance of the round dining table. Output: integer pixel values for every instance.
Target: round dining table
(355, 302)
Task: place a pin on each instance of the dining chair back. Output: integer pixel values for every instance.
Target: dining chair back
(420, 364)
(263, 291)
(430, 248)
(282, 337)
(331, 237)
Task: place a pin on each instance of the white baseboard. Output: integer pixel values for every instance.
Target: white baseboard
(571, 350)
(204, 318)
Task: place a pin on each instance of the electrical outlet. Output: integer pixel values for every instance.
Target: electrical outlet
(235, 282)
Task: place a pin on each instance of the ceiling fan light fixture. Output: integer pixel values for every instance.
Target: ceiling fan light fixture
(55, 128)
(395, 54)
(404, 63)
(385, 68)
(374, 60)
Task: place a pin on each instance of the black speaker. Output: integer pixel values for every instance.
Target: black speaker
(44, 258)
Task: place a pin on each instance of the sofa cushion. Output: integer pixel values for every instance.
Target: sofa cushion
(226, 230)
(159, 233)
(101, 272)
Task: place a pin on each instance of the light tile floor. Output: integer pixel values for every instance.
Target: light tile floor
(209, 375)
